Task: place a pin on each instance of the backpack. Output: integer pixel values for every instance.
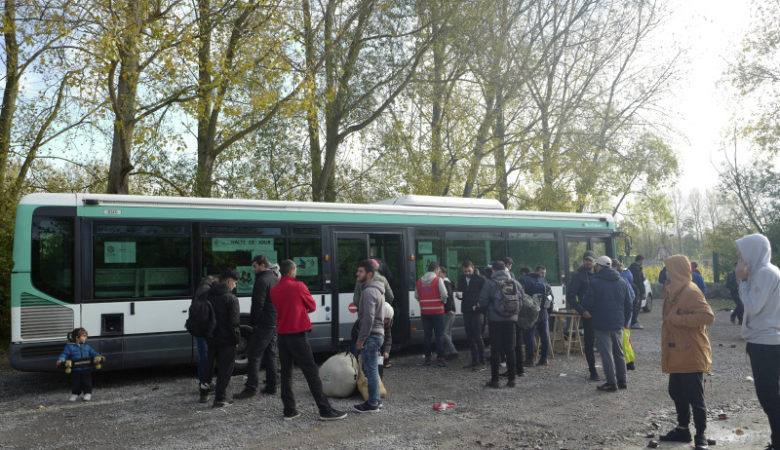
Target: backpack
(508, 298)
(528, 314)
(201, 320)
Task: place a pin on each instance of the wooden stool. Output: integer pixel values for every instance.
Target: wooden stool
(572, 336)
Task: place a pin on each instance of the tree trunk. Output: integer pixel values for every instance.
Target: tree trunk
(312, 108)
(11, 90)
(499, 141)
(205, 169)
(437, 168)
(479, 148)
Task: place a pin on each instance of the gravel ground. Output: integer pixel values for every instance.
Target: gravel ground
(553, 407)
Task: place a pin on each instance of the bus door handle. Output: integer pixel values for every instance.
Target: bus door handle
(322, 302)
(132, 308)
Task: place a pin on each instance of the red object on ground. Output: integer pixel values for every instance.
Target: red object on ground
(443, 406)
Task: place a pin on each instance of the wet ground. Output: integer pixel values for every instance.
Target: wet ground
(552, 407)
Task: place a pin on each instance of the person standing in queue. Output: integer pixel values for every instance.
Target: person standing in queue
(685, 349)
(262, 343)
(293, 303)
(639, 282)
(469, 286)
(759, 289)
(578, 286)
(227, 334)
(371, 332)
(431, 292)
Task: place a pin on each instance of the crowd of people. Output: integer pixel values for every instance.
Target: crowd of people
(605, 295)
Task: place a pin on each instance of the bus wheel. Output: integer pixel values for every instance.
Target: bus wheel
(242, 361)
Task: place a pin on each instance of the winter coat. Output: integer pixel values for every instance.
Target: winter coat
(387, 345)
(371, 312)
(470, 290)
(227, 312)
(698, 280)
(533, 284)
(578, 286)
(760, 293)
(450, 305)
(608, 301)
(74, 351)
(293, 303)
(490, 299)
(685, 347)
(262, 313)
(626, 275)
(639, 278)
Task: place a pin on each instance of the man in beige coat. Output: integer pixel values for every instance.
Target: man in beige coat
(685, 349)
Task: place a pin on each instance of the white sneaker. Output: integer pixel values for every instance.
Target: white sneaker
(73, 398)
(87, 397)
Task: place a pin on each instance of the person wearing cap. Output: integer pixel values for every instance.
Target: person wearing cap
(608, 303)
(639, 282)
(698, 280)
(575, 292)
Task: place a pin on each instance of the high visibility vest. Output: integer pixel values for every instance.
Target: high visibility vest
(429, 298)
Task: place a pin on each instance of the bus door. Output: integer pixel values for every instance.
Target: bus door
(350, 248)
(576, 245)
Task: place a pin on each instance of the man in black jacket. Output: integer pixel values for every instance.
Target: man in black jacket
(262, 319)
(639, 281)
(469, 286)
(222, 346)
(575, 292)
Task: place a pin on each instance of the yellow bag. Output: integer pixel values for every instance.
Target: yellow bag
(628, 348)
(362, 382)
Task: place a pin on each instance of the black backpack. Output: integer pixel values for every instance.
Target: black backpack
(201, 320)
(508, 298)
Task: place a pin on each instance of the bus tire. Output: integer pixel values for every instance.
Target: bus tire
(242, 361)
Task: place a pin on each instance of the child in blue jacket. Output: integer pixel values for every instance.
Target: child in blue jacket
(81, 377)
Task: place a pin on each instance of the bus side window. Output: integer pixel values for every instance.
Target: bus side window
(52, 256)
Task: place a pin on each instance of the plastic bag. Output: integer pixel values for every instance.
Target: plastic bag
(628, 348)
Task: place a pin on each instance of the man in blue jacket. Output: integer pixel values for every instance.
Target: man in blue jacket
(608, 303)
(575, 292)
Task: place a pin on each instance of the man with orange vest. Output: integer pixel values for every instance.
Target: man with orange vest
(431, 292)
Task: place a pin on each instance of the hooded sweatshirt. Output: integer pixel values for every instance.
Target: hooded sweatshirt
(685, 347)
(760, 293)
(371, 311)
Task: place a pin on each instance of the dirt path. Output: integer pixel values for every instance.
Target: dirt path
(553, 407)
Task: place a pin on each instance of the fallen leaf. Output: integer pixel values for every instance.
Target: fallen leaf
(739, 432)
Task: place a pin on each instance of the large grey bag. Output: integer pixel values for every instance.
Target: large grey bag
(339, 375)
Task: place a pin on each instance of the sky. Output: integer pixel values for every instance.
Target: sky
(702, 101)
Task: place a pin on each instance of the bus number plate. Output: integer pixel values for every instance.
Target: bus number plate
(112, 212)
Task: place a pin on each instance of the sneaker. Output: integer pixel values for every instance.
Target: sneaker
(510, 384)
(492, 384)
(333, 414)
(442, 362)
(268, 391)
(700, 442)
(366, 408)
(636, 326)
(502, 364)
(769, 447)
(622, 385)
(73, 397)
(87, 397)
(292, 415)
(594, 377)
(246, 393)
(222, 404)
(388, 364)
(631, 366)
(677, 435)
(607, 387)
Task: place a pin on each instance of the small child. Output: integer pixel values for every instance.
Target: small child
(384, 351)
(81, 377)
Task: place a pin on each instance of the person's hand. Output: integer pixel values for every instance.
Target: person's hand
(59, 362)
(586, 315)
(386, 355)
(450, 313)
(742, 271)
(359, 346)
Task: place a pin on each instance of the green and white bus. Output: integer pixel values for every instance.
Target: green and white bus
(125, 267)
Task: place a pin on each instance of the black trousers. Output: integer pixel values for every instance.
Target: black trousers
(739, 308)
(687, 392)
(472, 322)
(295, 348)
(81, 381)
(519, 338)
(590, 340)
(224, 355)
(261, 348)
(637, 306)
(765, 362)
(502, 341)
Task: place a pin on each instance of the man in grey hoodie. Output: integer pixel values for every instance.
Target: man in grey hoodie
(759, 289)
(372, 331)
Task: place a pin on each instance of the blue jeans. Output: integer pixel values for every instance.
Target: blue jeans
(370, 355)
(203, 357)
(433, 323)
(542, 326)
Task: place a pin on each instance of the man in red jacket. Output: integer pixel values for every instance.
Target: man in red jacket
(293, 302)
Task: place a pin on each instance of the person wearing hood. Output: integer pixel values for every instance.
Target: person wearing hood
(262, 319)
(759, 289)
(575, 293)
(639, 282)
(698, 280)
(431, 292)
(502, 325)
(608, 303)
(685, 349)
(372, 331)
(227, 334)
